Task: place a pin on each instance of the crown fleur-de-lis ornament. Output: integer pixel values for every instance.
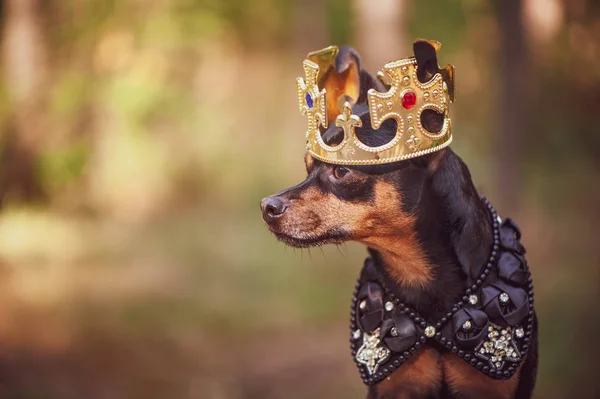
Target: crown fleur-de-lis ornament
(347, 121)
(311, 99)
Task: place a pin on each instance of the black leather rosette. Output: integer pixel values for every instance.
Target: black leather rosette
(513, 268)
(470, 337)
(509, 313)
(510, 234)
(369, 273)
(400, 332)
(371, 315)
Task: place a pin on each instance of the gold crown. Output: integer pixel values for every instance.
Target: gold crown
(405, 100)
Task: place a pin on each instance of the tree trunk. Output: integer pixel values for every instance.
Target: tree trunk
(513, 112)
(381, 31)
(24, 68)
(309, 31)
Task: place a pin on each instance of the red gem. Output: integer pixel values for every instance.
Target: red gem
(409, 99)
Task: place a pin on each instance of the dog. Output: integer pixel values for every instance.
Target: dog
(429, 235)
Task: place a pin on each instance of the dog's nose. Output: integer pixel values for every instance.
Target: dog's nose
(272, 208)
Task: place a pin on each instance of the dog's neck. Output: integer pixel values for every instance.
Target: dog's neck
(450, 244)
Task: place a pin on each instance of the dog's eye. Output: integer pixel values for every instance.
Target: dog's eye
(339, 172)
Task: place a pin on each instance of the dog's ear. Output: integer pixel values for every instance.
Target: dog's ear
(346, 80)
(427, 64)
(426, 55)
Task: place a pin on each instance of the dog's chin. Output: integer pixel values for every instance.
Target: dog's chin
(310, 241)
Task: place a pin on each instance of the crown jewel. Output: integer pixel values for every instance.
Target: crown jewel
(405, 101)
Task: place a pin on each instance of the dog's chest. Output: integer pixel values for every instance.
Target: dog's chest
(421, 376)
(429, 373)
(486, 334)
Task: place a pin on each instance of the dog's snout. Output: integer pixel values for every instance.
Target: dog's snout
(272, 208)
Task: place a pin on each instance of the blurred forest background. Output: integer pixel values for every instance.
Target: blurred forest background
(137, 138)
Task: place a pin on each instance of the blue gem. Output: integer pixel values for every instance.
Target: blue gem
(309, 100)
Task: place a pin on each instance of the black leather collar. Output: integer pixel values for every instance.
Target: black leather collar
(490, 328)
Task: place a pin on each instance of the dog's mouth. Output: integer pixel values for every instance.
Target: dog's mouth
(311, 241)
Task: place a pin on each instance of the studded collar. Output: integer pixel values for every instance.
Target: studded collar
(490, 328)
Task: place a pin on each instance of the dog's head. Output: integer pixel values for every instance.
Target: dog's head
(362, 203)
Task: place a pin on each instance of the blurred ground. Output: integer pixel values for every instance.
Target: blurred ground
(138, 137)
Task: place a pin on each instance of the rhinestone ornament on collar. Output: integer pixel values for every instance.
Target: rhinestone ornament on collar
(490, 328)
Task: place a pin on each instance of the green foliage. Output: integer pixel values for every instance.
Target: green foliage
(70, 94)
(340, 21)
(444, 21)
(62, 167)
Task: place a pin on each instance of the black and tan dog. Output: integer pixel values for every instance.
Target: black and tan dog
(428, 231)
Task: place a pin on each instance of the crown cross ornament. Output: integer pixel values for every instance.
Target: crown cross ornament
(405, 101)
(311, 99)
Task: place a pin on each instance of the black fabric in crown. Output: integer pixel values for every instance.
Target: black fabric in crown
(490, 328)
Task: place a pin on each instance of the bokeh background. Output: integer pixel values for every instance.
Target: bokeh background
(137, 138)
